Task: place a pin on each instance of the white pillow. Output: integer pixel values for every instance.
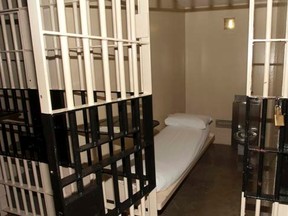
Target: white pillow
(188, 120)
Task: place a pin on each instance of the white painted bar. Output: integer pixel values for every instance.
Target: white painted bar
(134, 49)
(145, 53)
(152, 199)
(91, 45)
(39, 56)
(16, 47)
(267, 48)
(24, 200)
(61, 169)
(53, 24)
(270, 40)
(130, 63)
(275, 207)
(93, 37)
(36, 180)
(115, 46)
(11, 173)
(65, 54)
(47, 188)
(250, 48)
(26, 170)
(78, 44)
(2, 74)
(243, 204)
(25, 34)
(19, 3)
(4, 172)
(285, 66)
(6, 45)
(120, 49)
(131, 209)
(105, 55)
(86, 51)
(104, 197)
(258, 207)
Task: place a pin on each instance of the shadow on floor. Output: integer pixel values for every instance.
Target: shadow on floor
(213, 187)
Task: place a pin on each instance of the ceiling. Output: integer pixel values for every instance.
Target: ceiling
(196, 5)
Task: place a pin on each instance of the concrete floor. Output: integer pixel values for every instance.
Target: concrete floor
(213, 187)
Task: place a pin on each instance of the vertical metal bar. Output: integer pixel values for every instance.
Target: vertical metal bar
(250, 48)
(6, 45)
(2, 73)
(94, 124)
(145, 53)
(24, 200)
(110, 126)
(243, 204)
(262, 147)
(75, 149)
(115, 44)
(86, 127)
(134, 48)
(19, 3)
(58, 69)
(31, 198)
(86, 51)
(46, 185)
(258, 207)
(11, 172)
(39, 56)
(131, 208)
(285, 66)
(275, 208)
(91, 43)
(13, 141)
(78, 44)
(104, 197)
(6, 181)
(65, 54)
(25, 35)
(267, 47)
(281, 149)
(36, 180)
(16, 48)
(120, 48)
(105, 56)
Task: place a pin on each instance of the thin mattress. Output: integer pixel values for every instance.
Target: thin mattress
(175, 148)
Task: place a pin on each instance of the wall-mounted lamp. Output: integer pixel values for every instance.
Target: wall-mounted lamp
(229, 23)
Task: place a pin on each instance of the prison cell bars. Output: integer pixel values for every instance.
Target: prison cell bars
(136, 37)
(141, 40)
(249, 82)
(15, 172)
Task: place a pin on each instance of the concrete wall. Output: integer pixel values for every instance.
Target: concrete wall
(168, 63)
(215, 64)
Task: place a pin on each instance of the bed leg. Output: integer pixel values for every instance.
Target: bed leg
(152, 203)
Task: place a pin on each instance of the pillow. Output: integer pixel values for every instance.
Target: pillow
(188, 120)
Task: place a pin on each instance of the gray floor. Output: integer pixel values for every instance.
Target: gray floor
(213, 187)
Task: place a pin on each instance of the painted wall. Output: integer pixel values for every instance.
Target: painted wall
(215, 65)
(168, 63)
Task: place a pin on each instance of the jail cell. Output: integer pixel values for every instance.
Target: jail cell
(23, 171)
(265, 179)
(76, 109)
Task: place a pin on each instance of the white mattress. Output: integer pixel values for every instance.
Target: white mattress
(175, 148)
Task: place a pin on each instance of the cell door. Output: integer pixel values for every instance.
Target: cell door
(265, 159)
(92, 60)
